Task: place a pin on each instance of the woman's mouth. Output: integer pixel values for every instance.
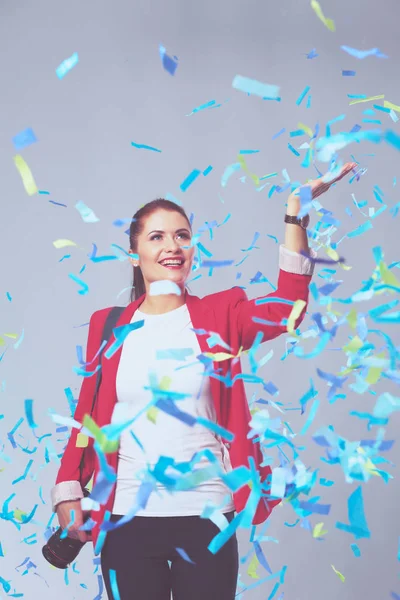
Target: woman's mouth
(174, 264)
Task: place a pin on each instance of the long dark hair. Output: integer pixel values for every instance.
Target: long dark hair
(136, 229)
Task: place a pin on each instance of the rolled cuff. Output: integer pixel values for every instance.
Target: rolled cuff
(293, 262)
(66, 491)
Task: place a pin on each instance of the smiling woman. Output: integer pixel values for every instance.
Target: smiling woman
(170, 396)
(160, 234)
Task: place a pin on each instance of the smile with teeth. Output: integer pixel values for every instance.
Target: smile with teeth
(172, 263)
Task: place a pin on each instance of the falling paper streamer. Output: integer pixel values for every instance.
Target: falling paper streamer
(189, 179)
(29, 413)
(67, 65)
(114, 585)
(164, 286)
(341, 577)
(256, 88)
(145, 147)
(86, 213)
(24, 138)
(26, 174)
(318, 11)
(302, 95)
(63, 243)
(360, 54)
(169, 64)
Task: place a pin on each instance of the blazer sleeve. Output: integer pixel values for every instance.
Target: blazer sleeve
(294, 278)
(69, 482)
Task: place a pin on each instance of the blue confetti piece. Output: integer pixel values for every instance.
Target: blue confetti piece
(67, 65)
(303, 95)
(356, 550)
(189, 179)
(29, 413)
(24, 138)
(28, 466)
(312, 54)
(319, 509)
(358, 525)
(145, 147)
(293, 150)
(278, 134)
(256, 88)
(169, 64)
(184, 555)
(360, 54)
(348, 73)
(114, 585)
(84, 286)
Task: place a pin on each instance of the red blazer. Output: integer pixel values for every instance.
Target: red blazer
(228, 313)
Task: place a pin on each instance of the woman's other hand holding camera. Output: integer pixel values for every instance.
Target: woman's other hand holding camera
(63, 510)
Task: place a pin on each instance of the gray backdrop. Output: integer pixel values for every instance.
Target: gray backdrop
(85, 123)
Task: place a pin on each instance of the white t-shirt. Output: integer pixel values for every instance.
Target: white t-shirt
(165, 347)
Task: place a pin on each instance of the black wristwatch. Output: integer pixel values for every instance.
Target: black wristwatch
(303, 222)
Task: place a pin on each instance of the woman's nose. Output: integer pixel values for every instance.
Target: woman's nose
(171, 244)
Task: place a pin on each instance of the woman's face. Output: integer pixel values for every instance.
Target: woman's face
(164, 235)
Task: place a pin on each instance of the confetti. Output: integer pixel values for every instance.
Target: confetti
(169, 64)
(26, 175)
(67, 65)
(189, 179)
(63, 243)
(312, 54)
(255, 88)
(86, 213)
(144, 147)
(360, 54)
(329, 24)
(341, 577)
(24, 139)
(303, 95)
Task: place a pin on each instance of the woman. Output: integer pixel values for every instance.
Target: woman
(169, 350)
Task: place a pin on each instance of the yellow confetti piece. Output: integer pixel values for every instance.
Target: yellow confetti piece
(318, 530)
(374, 373)
(387, 277)
(252, 569)
(63, 243)
(244, 166)
(18, 514)
(369, 465)
(218, 356)
(305, 128)
(26, 175)
(354, 345)
(352, 318)
(82, 440)
(342, 577)
(335, 256)
(358, 100)
(318, 11)
(106, 445)
(387, 104)
(294, 314)
(153, 411)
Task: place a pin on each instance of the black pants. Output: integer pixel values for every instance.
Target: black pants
(139, 550)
